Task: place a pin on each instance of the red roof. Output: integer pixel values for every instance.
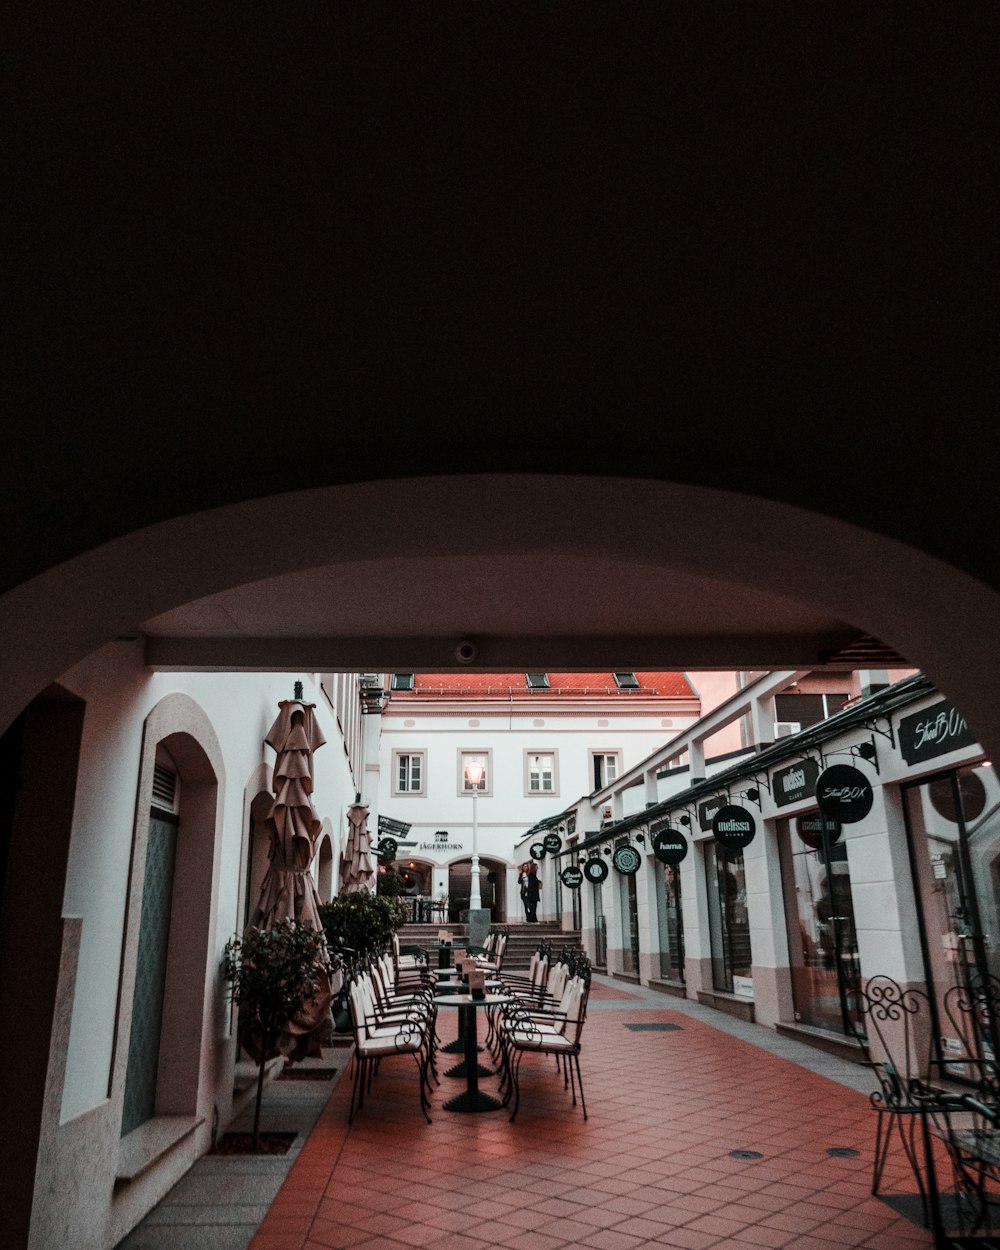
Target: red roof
(578, 684)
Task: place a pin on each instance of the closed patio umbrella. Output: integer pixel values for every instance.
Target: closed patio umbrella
(356, 862)
(288, 891)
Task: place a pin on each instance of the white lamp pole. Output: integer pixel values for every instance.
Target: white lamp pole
(474, 774)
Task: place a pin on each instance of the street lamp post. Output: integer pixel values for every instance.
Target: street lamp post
(474, 775)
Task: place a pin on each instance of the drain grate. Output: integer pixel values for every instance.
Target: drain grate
(653, 1028)
(842, 1152)
(745, 1154)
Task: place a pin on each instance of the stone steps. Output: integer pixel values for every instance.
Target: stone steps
(522, 941)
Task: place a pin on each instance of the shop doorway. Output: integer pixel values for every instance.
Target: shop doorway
(492, 888)
(671, 925)
(819, 912)
(953, 825)
(728, 920)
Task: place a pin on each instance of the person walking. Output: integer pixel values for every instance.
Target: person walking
(530, 891)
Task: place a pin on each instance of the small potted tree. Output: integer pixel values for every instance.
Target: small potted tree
(273, 974)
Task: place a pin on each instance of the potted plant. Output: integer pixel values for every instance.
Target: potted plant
(273, 974)
(360, 923)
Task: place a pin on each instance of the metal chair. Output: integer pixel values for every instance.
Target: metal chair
(894, 1027)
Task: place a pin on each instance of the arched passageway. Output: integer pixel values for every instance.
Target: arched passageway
(789, 584)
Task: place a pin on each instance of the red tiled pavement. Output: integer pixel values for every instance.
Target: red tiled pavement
(651, 1166)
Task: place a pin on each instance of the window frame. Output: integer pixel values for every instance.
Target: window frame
(526, 769)
(544, 684)
(604, 752)
(397, 682)
(482, 753)
(634, 684)
(409, 752)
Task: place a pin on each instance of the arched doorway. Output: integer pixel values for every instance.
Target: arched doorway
(157, 1068)
(492, 888)
(324, 865)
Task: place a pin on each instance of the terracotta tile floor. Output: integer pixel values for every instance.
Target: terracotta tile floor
(651, 1166)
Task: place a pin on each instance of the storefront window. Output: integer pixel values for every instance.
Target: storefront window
(729, 927)
(819, 910)
(953, 822)
(671, 925)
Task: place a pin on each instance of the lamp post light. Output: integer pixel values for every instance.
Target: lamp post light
(474, 775)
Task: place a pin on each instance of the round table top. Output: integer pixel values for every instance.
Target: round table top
(466, 1000)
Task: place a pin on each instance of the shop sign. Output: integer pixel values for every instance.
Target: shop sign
(595, 869)
(707, 810)
(795, 783)
(387, 825)
(441, 846)
(669, 846)
(734, 827)
(537, 850)
(626, 860)
(743, 987)
(387, 848)
(572, 876)
(844, 793)
(934, 731)
(552, 843)
(814, 827)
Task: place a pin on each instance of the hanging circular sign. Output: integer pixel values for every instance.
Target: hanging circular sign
(844, 793)
(626, 860)
(572, 876)
(814, 827)
(669, 846)
(387, 848)
(537, 850)
(595, 870)
(552, 843)
(734, 827)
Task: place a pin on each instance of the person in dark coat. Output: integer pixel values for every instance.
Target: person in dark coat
(531, 888)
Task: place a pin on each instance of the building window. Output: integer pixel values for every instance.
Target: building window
(402, 681)
(626, 681)
(408, 768)
(485, 761)
(806, 709)
(540, 773)
(606, 767)
(537, 681)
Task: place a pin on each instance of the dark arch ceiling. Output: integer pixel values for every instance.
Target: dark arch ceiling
(743, 246)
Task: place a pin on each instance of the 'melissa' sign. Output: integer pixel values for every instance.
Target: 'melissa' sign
(934, 731)
(734, 827)
(797, 782)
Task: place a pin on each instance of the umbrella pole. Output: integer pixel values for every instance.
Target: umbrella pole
(260, 1092)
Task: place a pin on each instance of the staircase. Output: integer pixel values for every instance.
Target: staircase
(521, 944)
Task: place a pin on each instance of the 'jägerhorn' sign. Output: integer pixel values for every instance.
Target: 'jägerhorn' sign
(934, 731)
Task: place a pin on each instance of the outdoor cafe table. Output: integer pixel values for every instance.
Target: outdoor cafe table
(471, 1098)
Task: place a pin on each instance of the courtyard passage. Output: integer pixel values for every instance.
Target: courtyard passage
(673, 1090)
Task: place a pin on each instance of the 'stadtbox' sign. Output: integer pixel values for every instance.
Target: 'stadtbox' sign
(844, 793)
(795, 783)
(934, 731)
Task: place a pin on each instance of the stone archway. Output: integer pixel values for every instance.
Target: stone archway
(734, 543)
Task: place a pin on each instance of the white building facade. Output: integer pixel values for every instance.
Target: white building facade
(542, 739)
